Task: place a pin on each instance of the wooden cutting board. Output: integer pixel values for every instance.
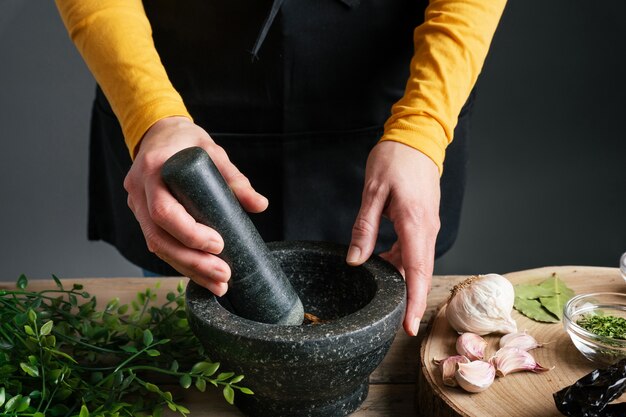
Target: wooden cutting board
(519, 394)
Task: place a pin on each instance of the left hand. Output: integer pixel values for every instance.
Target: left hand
(402, 184)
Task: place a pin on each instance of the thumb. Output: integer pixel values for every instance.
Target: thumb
(365, 229)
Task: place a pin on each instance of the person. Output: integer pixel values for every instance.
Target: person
(338, 112)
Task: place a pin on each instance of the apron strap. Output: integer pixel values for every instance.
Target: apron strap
(266, 27)
(276, 5)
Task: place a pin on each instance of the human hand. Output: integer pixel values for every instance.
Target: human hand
(170, 232)
(402, 184)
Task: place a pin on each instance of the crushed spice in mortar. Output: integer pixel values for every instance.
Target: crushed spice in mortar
(313, 319)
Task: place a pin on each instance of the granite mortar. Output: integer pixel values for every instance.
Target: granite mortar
(315, 370)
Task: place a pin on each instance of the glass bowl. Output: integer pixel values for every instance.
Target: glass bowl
(602, 350)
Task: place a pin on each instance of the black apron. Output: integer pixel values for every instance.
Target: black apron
(297, 98)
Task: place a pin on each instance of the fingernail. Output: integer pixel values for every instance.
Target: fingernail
(221, 290)
(263, 199)
(354, 253)
(415, 326)
(217, 245)
(221, 274)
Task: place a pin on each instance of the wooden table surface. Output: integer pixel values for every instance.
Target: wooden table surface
(392, 384)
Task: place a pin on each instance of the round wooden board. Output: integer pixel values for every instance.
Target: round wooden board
(523, 393)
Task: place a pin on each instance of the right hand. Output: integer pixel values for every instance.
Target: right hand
(402, 184)
(170, 232)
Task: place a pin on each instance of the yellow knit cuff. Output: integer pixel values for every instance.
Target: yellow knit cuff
(143, 118)
(421, 133)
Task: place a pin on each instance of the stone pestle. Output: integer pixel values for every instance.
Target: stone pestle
(258, 289)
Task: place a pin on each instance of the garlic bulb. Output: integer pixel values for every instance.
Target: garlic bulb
(475, 376)
(471, 345)
(520, 340)
(482, 304)
(508, 360)
(448, 368)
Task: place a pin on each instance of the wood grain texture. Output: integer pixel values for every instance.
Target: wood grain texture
(384, 400)
(521, 394)
(392, 384)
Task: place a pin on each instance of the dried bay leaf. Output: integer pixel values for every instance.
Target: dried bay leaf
(562, 295)
(534, 309)
(544, 301)
(556, 285)
(531, 292)
(556, 303)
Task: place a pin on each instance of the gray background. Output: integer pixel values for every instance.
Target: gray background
(547, 183)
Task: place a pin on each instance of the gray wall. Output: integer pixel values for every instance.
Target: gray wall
(45, 101)
(547, 180)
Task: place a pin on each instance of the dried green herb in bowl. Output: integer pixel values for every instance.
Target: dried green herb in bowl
(596, 322)
(609, 325)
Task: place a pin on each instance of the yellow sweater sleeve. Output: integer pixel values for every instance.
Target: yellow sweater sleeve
(115, 39)
(450, 49)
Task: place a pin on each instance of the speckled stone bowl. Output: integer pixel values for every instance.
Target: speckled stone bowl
(313, 369)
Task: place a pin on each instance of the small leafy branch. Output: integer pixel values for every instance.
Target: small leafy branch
(61, 357)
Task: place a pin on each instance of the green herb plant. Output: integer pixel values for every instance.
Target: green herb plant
(62, 357)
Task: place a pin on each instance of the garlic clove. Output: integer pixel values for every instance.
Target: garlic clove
(520, 340)
(471, 345)
(448, 368)
(482, 304)
(509, 359)
(475, 376)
